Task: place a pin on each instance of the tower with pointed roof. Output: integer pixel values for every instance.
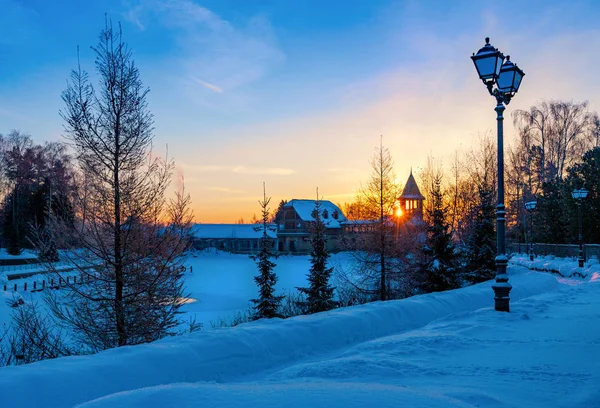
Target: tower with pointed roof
(411, 199)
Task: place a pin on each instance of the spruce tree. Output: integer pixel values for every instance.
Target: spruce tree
(267, 304)
(481, 252)
(552, 213)
(586, 175)
(319, 293)
(440, 268)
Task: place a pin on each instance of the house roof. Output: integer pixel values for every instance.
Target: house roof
(304, 209)
(242, 231)
(411, 190)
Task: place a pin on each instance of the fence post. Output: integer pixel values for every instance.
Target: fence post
(25, 286)
(15, 287)
(34, 285)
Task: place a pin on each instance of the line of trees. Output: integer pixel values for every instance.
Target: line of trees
(556, 152)
(35, 181)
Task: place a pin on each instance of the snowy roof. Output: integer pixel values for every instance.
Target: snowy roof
(411, 190)
(243, 231)
(359, 222)
(304, 209)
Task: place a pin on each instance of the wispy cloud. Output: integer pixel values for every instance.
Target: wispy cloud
(208, 85)
(201, 168)
(232, 54)
(225, 190)
(339, 196)
(238, 169)
(12, 115)
(276, 171)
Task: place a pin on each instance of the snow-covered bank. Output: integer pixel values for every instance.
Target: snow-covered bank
(245, 351)
(566, 267)
(542, 354)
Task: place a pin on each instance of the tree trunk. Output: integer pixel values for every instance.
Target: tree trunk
(119, 312)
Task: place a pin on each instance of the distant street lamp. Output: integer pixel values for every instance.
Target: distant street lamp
(530, 207)
(506, 76)
(579, 195)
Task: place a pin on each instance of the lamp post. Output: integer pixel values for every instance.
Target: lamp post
(530, 207)
(579, 195)
(506, 76)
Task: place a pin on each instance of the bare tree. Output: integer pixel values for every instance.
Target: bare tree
(533, 126)
(31, 336)
(594, 132)
(560, 129)
(377, 242)
(429, 174)
(128, 239)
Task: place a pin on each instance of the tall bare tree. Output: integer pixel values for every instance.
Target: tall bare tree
(128, 239)
(377, 201)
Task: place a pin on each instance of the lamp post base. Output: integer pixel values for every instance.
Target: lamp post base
(502, 287)
(501, 296)
(580, 262)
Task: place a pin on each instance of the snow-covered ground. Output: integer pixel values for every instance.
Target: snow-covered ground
(219, 284)
(446, 349)
(566, 267)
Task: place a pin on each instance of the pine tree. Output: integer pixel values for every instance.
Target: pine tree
(267, 305)
(319, 293)
(278, 216)
(440, 269)
(480, 265)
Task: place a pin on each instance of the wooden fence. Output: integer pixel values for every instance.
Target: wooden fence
(51, 283)
(558, 250)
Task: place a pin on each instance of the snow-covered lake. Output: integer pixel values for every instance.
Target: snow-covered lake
(221, 284)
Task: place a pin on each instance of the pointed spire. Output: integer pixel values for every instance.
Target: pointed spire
(411, 190)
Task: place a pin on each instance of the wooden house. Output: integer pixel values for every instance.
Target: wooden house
(295, 218)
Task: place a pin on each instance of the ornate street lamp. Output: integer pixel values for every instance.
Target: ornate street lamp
(579, 195)
(530, 207)
(493, 70)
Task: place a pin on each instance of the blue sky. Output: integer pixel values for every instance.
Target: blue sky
(296, 93)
